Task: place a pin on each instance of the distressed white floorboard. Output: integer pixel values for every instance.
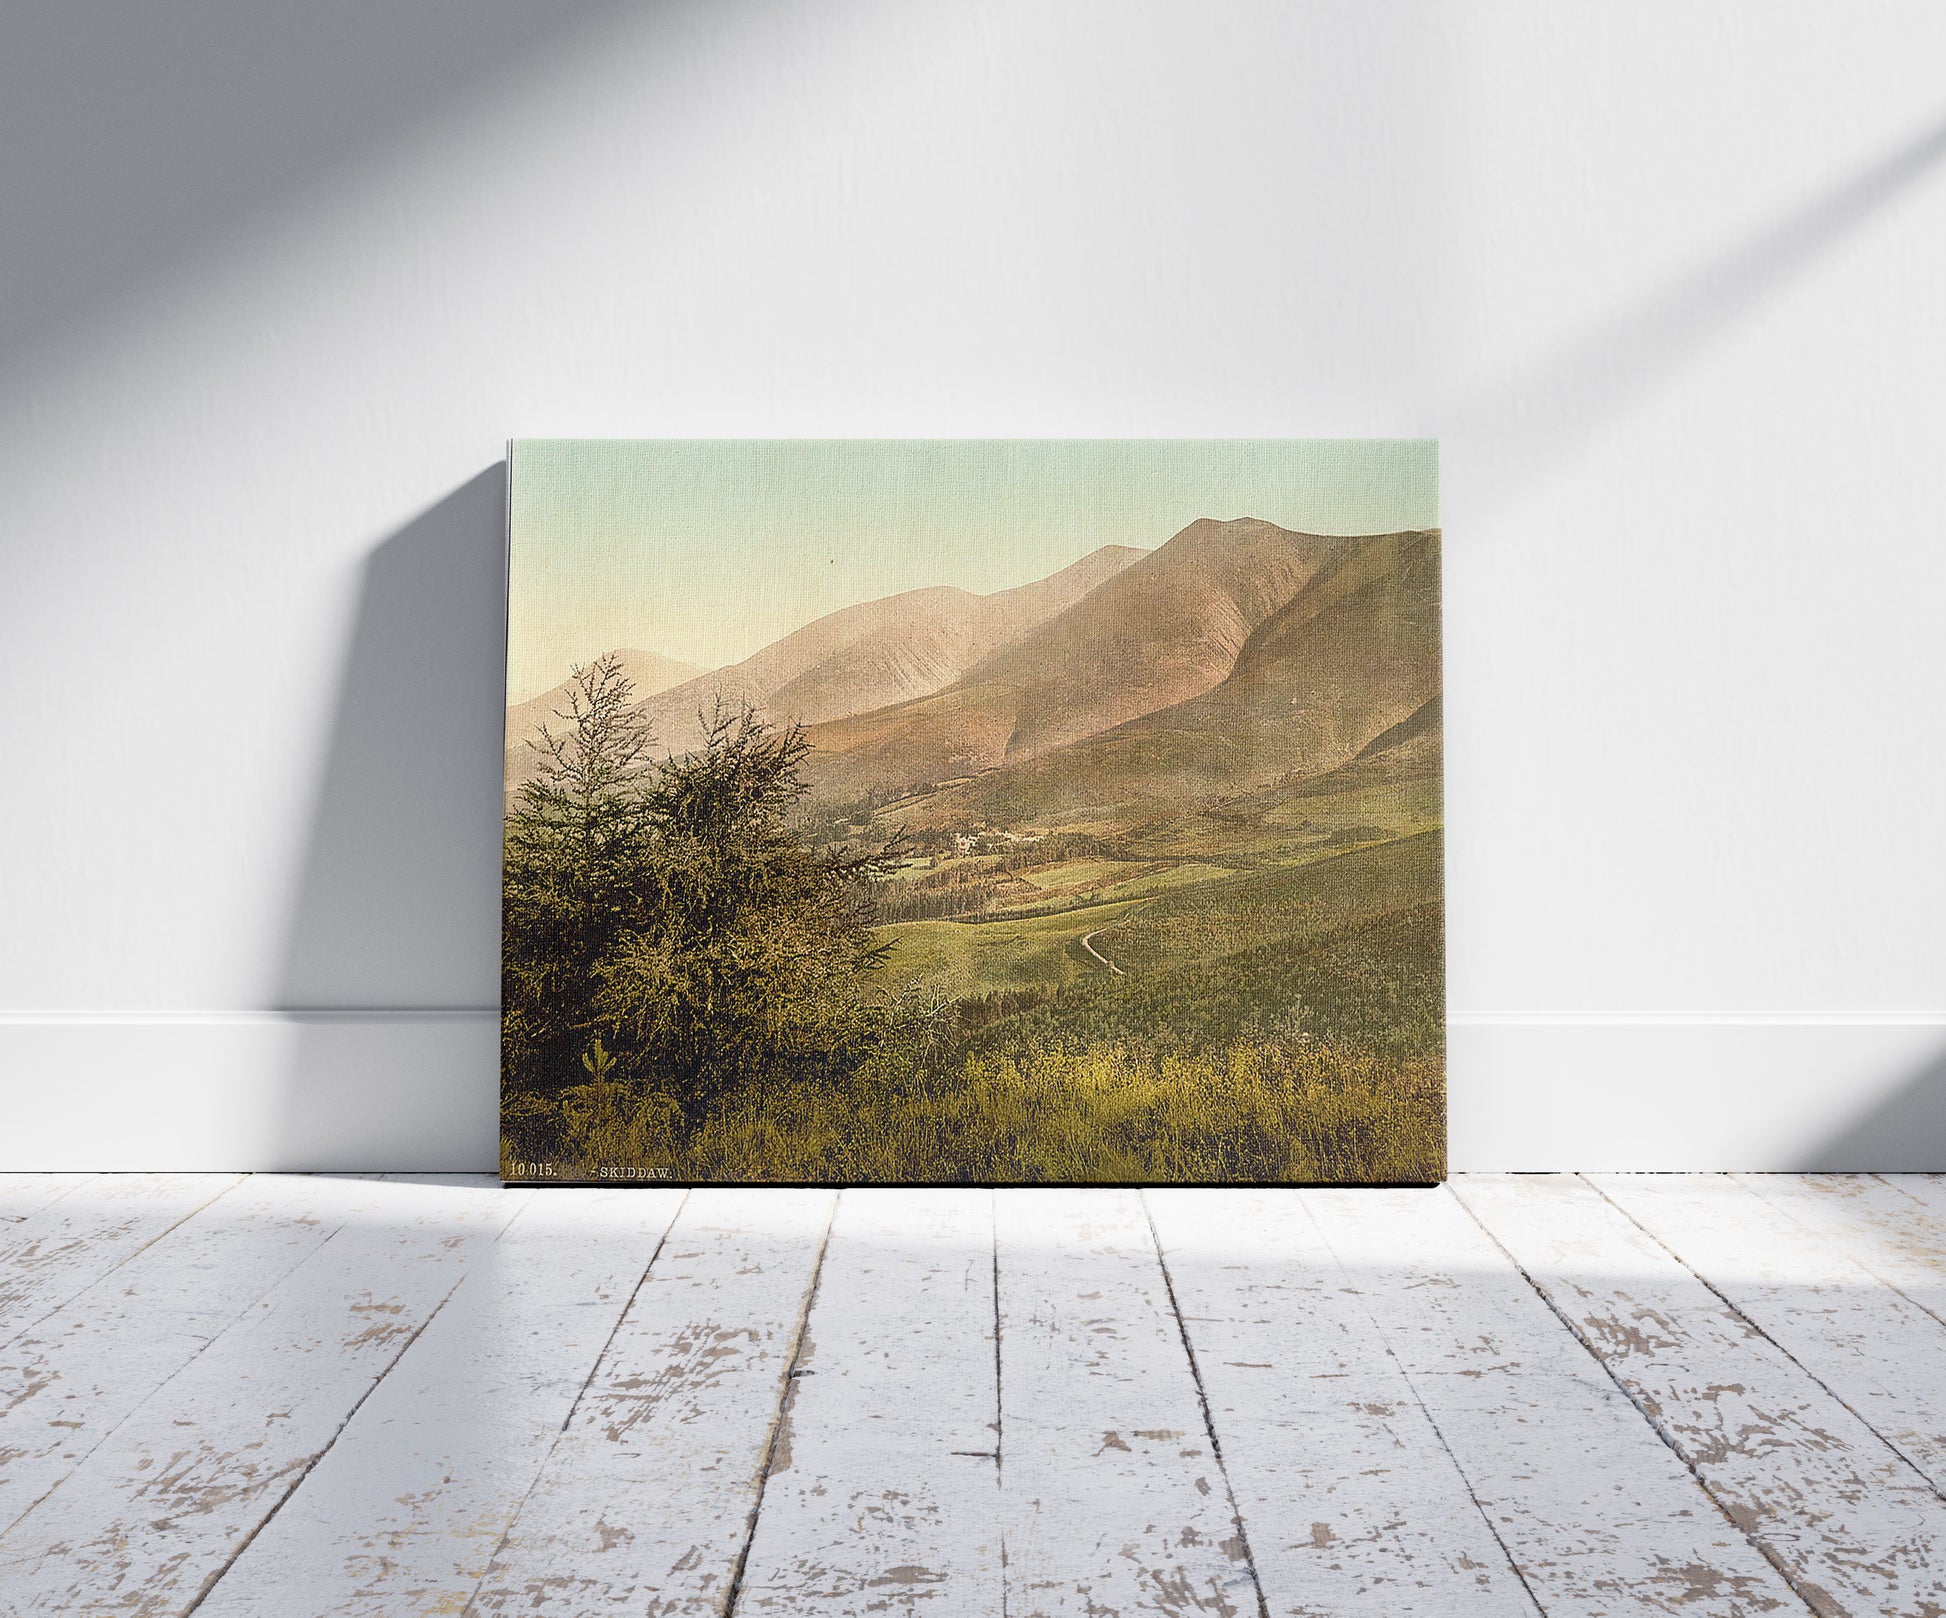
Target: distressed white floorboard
(645, 1504)
(1113, 1500)
(156, 1512)
(1878, 1352)
(1929, 1189)
(69, 1380)
(403, 1514)
(330, 1396)
(1350, 1501)
(63, 1247)
(1597, 1513)
(22, 1194)
(1893, 1224)
(1851, 1521)
(883, 1495)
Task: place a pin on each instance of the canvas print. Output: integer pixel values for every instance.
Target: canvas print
(989, 812)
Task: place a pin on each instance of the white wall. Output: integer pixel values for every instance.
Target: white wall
(1664, 278)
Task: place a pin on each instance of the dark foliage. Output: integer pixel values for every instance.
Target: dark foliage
(667, 914)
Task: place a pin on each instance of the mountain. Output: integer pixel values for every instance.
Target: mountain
(1239, 656)
(1344, 677)
(1163, 630)
(1355, 656)
(883, 652)
(650, 671)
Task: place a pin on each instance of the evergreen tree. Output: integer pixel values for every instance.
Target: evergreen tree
(670, 915)
(576, 863)
(754, 953)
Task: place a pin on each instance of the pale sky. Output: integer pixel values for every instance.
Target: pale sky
(707, 550)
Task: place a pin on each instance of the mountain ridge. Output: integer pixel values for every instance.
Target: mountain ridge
(1347, 670)
(877, 653)
(1236, 654)
(858, 658)
(1169, 627)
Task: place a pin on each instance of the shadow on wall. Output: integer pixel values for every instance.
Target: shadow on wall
(391, 963)
(1523, 427)
(135, 139)
(1903, 1134)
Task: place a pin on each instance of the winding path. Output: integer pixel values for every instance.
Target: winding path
(1088, 943)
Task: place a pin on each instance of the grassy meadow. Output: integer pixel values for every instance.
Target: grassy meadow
(1263, 1001)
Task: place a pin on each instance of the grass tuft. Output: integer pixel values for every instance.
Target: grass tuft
(1259, 1111)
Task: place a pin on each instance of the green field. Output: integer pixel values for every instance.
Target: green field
(1274, 962)
(1260, 935)
(966, 958)
(1065, 876)
(1283, 1023)
(1231, 876)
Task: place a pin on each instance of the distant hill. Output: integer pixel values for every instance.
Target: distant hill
(1166, 629)
(1343, 678)
(1238, 657)
(881, 652)
(650, 671)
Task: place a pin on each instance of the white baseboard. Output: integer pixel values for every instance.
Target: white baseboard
(416, 1090)
(1698, 1093)
(250, 1090)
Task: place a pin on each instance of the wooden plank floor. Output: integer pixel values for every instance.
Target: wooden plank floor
(1539, 1394)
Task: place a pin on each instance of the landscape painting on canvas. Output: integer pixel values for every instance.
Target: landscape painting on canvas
(992, 812)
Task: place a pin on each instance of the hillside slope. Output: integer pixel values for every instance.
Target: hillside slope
(880, 653)
(1166, 629)
(1349, 663)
